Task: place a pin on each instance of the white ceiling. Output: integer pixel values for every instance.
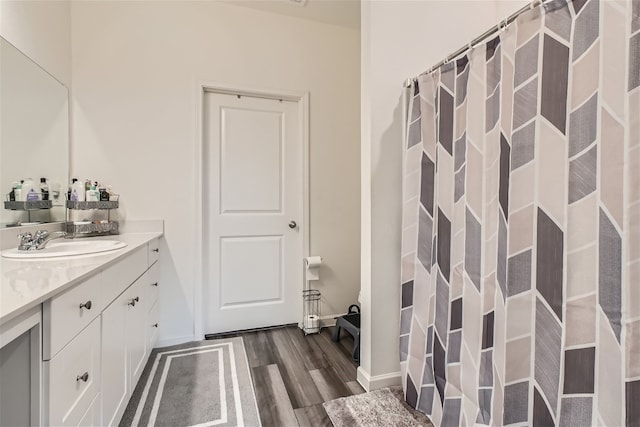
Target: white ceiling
(345, 13)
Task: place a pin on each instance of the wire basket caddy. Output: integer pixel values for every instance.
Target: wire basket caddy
(311, 311)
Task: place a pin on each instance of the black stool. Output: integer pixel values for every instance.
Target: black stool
(351, 323)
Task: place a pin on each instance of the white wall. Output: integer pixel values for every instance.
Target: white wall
(399, 39)
(136, 66)
(42, 31)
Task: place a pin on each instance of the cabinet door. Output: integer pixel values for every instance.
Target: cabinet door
(114, 361)
(91, 418)
(74, 377)
(137, 307)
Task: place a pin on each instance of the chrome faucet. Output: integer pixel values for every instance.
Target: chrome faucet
(39, 241)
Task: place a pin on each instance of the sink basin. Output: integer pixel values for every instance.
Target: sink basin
(66, 248)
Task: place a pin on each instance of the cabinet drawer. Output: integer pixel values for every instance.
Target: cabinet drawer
(122, 274)
(152, 284)
(65, 315)
(154, 251)
(74, 378)
(152, 327)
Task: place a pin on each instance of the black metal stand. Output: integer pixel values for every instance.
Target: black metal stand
(350, 322)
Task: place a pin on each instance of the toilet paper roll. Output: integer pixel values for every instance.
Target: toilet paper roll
(312, 266)
(312, 323)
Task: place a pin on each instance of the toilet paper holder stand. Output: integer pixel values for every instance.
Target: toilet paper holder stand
(311, 311)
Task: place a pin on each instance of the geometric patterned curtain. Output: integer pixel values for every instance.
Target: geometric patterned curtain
(521, 225)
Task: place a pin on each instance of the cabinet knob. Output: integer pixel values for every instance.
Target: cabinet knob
(155, 284)
(155, 250)
(155, 325)
(86, 305)
(133, 301)
(84, 377)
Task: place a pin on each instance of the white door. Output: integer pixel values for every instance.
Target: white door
(253, 208)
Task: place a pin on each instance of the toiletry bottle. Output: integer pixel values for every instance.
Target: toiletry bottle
(104, 195)
(12, 194)
(82, 193)
(96, 192)
(29, 191)
(73, 191)
(18, 192)
(92, 194)
(44, 189)
(78, 192)
(54, 193)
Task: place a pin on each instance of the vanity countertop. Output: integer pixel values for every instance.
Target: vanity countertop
(27, 283)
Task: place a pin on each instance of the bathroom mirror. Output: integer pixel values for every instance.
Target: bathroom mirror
(34, 134)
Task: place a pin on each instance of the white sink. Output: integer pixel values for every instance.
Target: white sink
(66, 248)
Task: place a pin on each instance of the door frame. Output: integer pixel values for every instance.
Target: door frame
(302, 99)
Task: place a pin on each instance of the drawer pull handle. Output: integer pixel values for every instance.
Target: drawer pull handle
(133, 301)
(155, 325)
(155, 250)
(155, 284)
(84, 377)
(86, 305)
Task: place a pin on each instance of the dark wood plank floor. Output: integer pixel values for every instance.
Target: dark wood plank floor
(294, 374)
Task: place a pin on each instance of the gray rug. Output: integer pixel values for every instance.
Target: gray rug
(385, 407)
(203, 383)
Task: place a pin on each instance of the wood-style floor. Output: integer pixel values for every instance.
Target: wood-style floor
(293, 374)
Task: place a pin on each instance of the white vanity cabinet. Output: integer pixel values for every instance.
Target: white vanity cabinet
(96, 341)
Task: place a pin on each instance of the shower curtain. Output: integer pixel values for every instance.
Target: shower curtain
(521, 225)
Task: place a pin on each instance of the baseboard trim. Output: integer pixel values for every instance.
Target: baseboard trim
(326, 321)
(370, 383)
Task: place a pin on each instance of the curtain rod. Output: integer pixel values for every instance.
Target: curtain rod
(491, 31)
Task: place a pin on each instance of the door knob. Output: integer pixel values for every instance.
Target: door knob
(293, 225)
